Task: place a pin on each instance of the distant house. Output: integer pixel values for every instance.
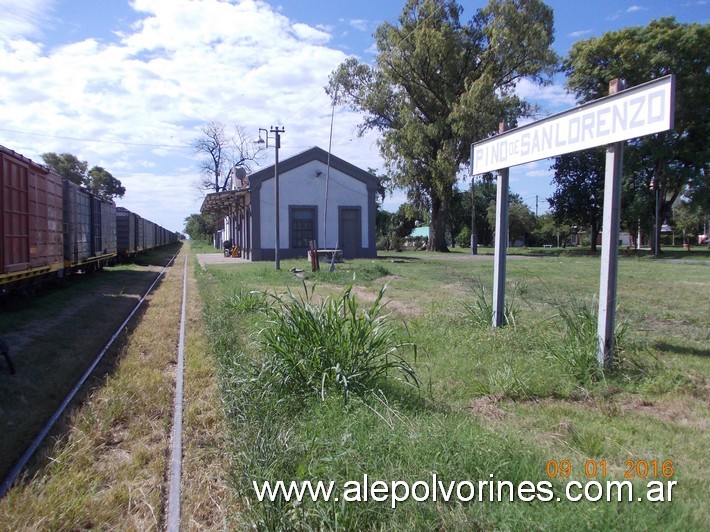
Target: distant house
(625, 239)
(344, 220)
(419, 232)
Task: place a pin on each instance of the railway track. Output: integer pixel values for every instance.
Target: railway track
(171, 516)
(173, 508)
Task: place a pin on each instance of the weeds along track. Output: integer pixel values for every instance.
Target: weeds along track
(40, 437)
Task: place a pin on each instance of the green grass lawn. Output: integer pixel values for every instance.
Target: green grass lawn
(492, 405)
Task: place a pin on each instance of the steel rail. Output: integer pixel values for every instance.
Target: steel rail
(29, 453)
(173, 513)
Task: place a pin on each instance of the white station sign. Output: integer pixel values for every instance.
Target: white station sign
(641, 110)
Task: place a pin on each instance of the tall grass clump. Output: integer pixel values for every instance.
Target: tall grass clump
(480, 309)
(243, 301)
(312, 347)
(575, 349)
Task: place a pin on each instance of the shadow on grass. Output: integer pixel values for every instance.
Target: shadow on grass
(398, 258)
(58, 351)
(682, 350)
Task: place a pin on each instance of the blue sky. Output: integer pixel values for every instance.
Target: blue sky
(128, 84)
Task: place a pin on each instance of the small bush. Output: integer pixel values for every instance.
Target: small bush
(332, 345)
(463, 239)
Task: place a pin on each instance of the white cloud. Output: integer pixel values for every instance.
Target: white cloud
(25, 18)
(538, 173)
(359, 24)
(551, 98)
(630, 9)
(310, 34)
(180, 65)
(579, 34)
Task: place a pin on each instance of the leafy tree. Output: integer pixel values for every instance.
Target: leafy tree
(690, 218)
(698, 192)
(101, 182)
(484, 191)
(460, 216)
(393, 228)
(220, 153)
(671, 159)
(521, 220)
(438, 85)
(67, 165)
(197, 226)
(549, 231)
(579, 196)
(384, 185)
(384, 220)
(407, 218)
(384, 229)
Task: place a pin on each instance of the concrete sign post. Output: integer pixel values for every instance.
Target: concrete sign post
(501, 245)
(610, 247)
(635, 112)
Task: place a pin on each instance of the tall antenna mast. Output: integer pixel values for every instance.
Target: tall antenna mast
(327, 174)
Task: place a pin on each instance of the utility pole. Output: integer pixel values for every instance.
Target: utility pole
(277, 144)
(535, 205)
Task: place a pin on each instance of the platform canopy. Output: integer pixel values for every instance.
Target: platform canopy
(225, 202)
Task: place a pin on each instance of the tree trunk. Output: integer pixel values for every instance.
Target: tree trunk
(437, 228)
(657, 222)
(657, 238)
(594, 232)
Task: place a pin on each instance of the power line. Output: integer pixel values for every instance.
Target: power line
(99, 141)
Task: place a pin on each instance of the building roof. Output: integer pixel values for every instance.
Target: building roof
(224, 202)
(229, 201)
(422, 232)
(318, 154)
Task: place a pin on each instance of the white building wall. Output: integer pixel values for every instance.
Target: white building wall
(625, 239)
(301, 186)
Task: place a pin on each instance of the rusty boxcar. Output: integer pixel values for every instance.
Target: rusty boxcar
(31, 221)
(52, 227)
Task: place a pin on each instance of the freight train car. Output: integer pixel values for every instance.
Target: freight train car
(148, 234)
(31, 232)
(125, 232)
(89, 229)
(51, 227)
